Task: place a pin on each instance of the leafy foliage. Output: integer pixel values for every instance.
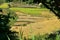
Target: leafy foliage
(2, 1)
(6, 21)
(53, 5)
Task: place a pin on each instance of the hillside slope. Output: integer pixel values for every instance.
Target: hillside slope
(36, 25)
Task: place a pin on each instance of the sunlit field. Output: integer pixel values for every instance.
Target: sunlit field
(48, 23)
(4, 5)
(34, 23)
(31, 11)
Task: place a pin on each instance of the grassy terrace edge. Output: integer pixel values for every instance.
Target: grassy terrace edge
(31, 11)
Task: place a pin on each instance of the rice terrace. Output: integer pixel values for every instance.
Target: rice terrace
(30, 20)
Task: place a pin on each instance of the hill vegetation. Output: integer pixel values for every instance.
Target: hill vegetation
(37, 19)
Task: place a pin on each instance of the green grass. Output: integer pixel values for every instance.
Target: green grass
(31, 11)
(4, 5)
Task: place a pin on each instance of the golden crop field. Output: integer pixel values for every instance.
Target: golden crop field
(46, 23)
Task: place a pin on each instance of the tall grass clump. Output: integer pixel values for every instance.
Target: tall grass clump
(52, 36)
(21, 34)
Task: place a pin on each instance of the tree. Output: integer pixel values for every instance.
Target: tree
(36, 1)
(53, 5)
(2, 1)
(8, 0)
(30, 1)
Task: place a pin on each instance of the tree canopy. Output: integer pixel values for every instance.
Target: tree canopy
(53, 5)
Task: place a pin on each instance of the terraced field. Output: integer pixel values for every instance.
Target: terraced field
(32, 25)
(34, 21)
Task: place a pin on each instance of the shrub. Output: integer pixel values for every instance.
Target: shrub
(7, 19)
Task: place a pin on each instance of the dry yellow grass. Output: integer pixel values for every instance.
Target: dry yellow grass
(42, 26)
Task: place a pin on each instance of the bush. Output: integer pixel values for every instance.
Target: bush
(7, 19)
